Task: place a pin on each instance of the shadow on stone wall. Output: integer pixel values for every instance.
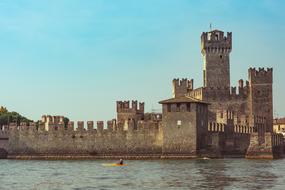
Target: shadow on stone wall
(3, 153)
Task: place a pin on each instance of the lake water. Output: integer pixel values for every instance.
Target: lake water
(154, 174)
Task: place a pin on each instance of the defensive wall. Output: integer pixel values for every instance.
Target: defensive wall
(4, 137)
(115, 140)
(29, 140)
(229, 140)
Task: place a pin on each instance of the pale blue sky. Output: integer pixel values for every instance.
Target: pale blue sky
(77, 57)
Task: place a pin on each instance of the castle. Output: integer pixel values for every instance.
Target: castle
(215, 120)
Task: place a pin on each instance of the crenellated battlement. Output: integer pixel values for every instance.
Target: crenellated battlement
(112, 126)
(221, 127)
(216, 42)
(243, 129)
(225, 116)
(240, 91)
(4, 131)
(182, 87)
(260, 76)
(216, 127)
(49, 118)
(258, 119)
(277, 139)
(197, 93)
(116, 138)
(125, 107)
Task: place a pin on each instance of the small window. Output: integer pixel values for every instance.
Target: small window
(221, 57)
(179, 123)
(178, 107)
(169, 107)
(188, 107)
(216, 37)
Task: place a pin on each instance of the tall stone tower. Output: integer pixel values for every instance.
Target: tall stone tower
(260, 95)
(216, 50)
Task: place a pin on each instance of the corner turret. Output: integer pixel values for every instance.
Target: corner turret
(126, 112)
(182, 87)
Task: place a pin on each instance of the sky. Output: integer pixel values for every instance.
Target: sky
(78, 57)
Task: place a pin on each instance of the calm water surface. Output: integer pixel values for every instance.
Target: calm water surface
(167, 174)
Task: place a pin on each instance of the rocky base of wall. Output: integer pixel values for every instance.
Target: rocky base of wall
(265, 150)
(97, 157)
(260, 153)
(264, 153)
(127, 157)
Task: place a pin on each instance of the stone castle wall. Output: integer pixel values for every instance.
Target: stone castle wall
(30, 140)
(146, 140)
(4, 136)
(222, 99)
(229, 140)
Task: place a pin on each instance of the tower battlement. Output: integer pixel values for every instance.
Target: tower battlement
(215, 42)
(182, 87)
(260, 76)
(216, 48)
(125, 107)
(239, 91)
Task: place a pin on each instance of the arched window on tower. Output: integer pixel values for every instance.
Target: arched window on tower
(216, 37)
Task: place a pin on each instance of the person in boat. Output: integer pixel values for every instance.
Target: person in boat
(121, 161)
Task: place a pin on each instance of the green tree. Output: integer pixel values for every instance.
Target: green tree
(65, 121)
(7, 117)
(3, 110)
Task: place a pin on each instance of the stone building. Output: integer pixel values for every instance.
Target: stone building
(185, 125)
(250, 104)
(279, 126)
(247, 101)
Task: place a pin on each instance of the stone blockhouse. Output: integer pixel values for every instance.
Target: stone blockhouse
(185, 123)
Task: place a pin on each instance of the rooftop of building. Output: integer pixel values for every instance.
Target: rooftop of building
(279, 121)
(183, 99)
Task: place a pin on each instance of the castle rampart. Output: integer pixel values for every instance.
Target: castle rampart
(29, 140)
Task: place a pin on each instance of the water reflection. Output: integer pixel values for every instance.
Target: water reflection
(213, 174)
(256, 175)
(167, 174)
